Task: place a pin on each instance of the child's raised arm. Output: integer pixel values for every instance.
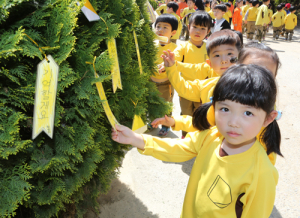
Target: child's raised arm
(124, 135)
(192, 90)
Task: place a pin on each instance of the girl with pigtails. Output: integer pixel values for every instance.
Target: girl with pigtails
(232, 175)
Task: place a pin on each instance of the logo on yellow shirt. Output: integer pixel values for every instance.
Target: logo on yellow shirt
(220, 193)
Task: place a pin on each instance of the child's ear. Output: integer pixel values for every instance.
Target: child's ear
(173, 32)
(270, 118)
(208, 62)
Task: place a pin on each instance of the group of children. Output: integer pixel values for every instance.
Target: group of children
(227, 96)
(248, 16)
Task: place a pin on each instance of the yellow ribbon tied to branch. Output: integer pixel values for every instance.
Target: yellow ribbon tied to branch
(45, 94)
(45, 97)
(111, 118)
(138, 52)
(138, 124)
(115, 71)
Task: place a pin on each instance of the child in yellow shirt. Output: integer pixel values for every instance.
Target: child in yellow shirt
(232, 175)
(277, 20)
(228, 13)
(290, 23)
(185, 14)
(194, 51)
(172, 8)
(207, 6)
(244, 11)
(165, 25)
(250, 19)
(163, 8)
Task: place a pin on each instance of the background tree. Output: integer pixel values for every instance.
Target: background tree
(43, 177)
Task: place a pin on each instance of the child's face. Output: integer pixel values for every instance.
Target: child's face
(239, 4)
(218, 14)
(219, 58)
(227, 7)
(238, 123)
(191, 4)
(164, 29)
(197, 33)
(170, 10)
(263, 61)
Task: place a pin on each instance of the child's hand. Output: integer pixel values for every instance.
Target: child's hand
(161, 69)
(166, 121)
(123, 134)
(169, 58)
(126, 136)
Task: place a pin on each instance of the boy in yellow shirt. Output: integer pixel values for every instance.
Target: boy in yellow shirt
(165, 25)
(250, 18)
(172, 8)
(262, 20)
(228, 13)
(277, 20)
(185, 13)
(290, 23)
(244, 11)
(207, 6)
(163, 8)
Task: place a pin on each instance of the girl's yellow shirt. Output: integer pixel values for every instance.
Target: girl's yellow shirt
(216, 182)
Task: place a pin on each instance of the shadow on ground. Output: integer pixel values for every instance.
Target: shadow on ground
(120, 202)
(275, 213)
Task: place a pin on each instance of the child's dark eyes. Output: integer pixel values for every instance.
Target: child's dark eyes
(230, 54)
(224, 109)
(248, 113)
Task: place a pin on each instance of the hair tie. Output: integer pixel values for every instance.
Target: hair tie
(279, 115)
(211, 113)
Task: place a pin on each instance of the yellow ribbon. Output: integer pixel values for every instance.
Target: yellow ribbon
(111, 118)
(38, 47)
(116, 77)
(211, 115)
(137, 49)
(138, 124)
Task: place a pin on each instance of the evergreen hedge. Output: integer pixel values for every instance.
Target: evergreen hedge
(43, 177)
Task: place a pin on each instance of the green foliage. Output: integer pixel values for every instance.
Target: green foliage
(44, 177)
(154, 4)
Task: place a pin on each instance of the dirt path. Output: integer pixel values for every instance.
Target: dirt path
(151, 188)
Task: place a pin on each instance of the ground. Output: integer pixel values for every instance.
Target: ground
(150, 188)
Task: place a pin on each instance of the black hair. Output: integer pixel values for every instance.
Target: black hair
(201, 18)
(279, 7)
(207, 2)
(199, 5)
(265, 0)
(260, 3)
(292, 8)
(269, 5)
(167, 18)
(228, 4)
(230, 0)
(244, 2)
(248, 85)
(173, 5)
(191, 0)
(261, 49)
(250, 1)
(240, 35)
(255, 2)
(223, 37)
(221, 7)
